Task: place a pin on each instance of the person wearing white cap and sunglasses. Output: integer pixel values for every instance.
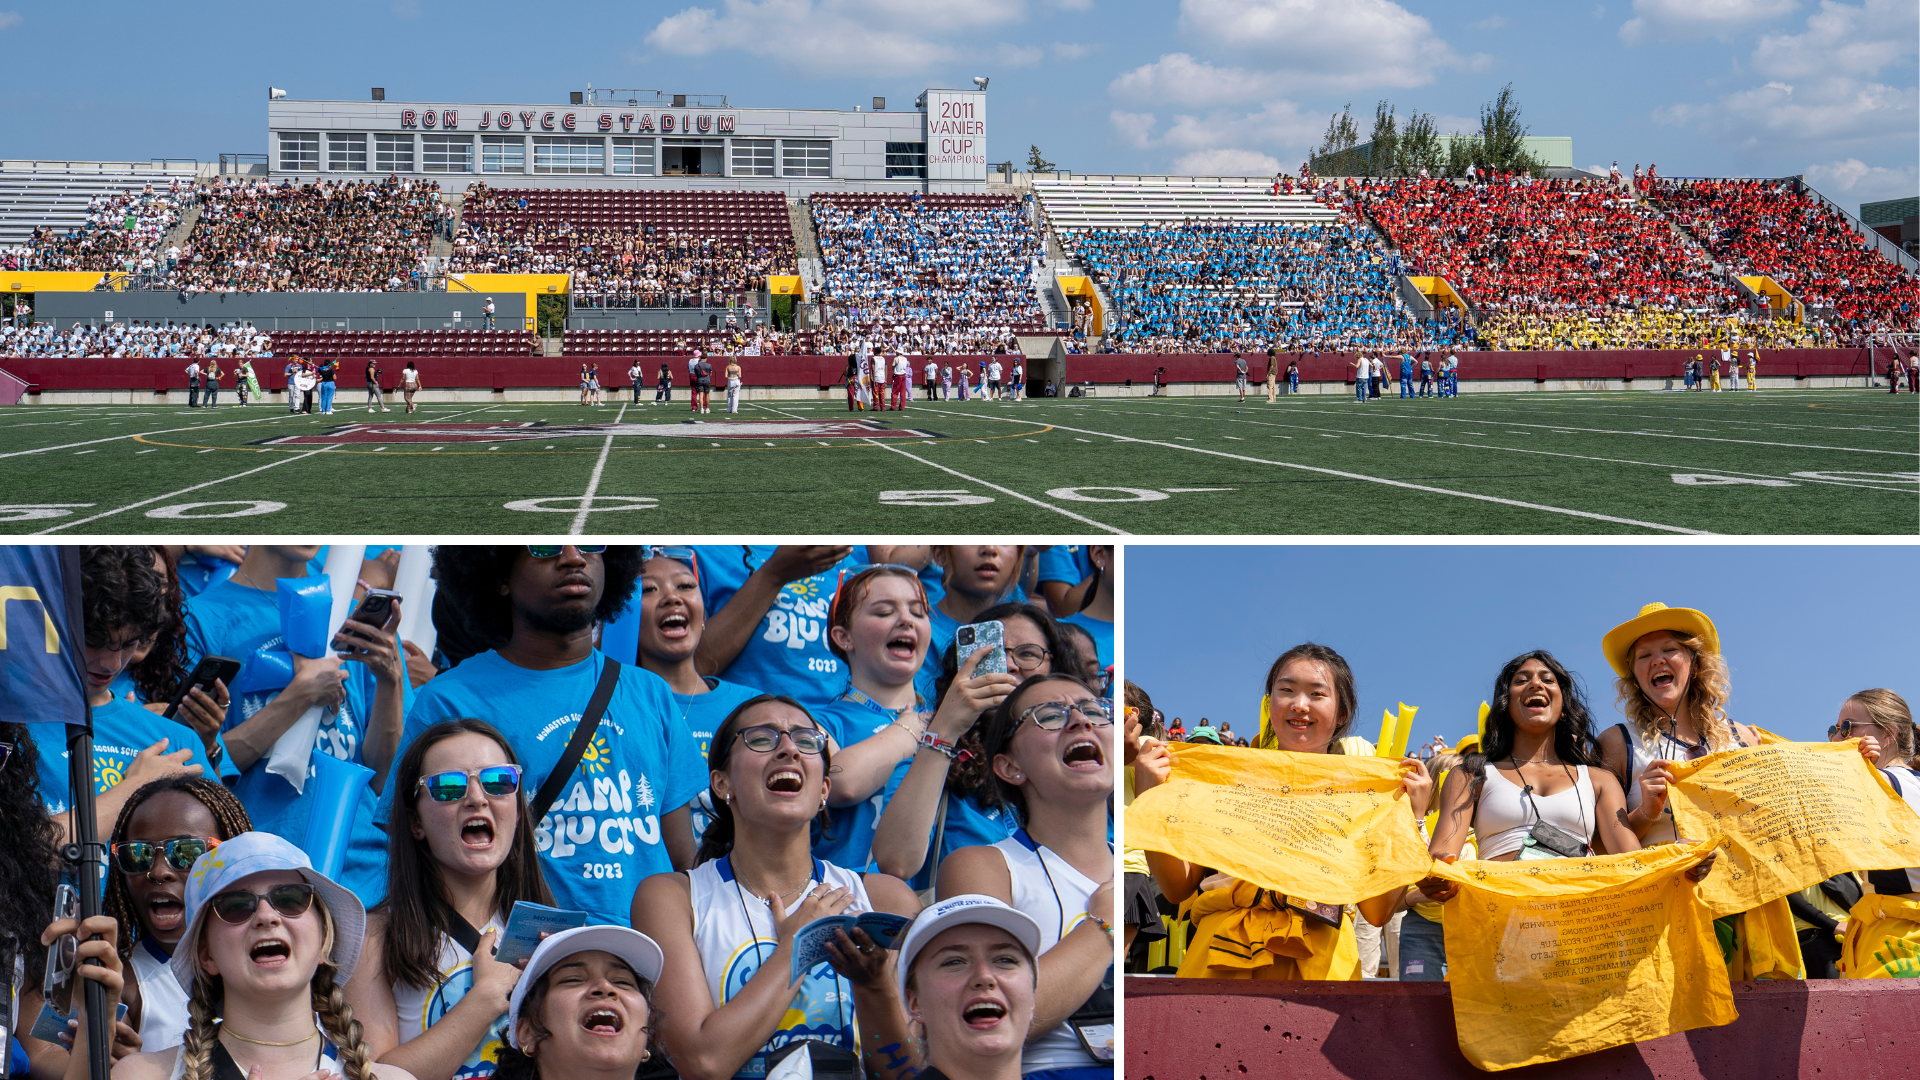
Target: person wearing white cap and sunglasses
(1050, 746)
(969, 980)
(583, 1009)
(270, 943)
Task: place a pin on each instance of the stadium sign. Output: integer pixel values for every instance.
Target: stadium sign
(508, 119)
(956, 135)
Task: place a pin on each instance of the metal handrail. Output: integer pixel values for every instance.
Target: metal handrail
(1881, 244)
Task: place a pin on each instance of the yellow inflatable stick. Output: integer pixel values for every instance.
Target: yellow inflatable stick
(1389, 734)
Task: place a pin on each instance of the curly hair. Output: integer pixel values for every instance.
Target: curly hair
(30, 859)
(1346, 698)
(971, 773)
(120, 590)
(471, 575)
(1706, 697)
(228, 814)
(158, 675)
(1573, 737)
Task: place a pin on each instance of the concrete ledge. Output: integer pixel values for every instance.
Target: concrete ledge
(1212, 1029)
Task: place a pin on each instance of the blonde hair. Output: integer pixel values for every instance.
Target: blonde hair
(1708, 688)
(329, 1002)
(1890, 711)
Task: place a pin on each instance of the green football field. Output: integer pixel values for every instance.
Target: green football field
(1783, 462)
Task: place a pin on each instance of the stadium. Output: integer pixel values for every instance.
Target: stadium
(1182, 346)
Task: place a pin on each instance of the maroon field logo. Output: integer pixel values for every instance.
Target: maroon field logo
(351, 434)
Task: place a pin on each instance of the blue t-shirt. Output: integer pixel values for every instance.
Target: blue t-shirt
(602, 836)
(1065, 562)
(943, 626)
(848, 840)
(970, 823)
(787, 653)
(1102, 632)
(121, 730)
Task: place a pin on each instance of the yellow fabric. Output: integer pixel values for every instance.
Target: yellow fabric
(1246, 932)
(1434, 913)
(1767, 947)
(1883, 938)
(1822, 903)
(1790, 815)
(1553, 958)
(1134, 861)
(1330, 827)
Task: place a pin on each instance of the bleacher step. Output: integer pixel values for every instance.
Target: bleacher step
(801, 218)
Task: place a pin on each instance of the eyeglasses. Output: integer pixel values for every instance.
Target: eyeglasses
(236, 907)
(1027, 657)
(1053, 715)
(495, 780)
(855, 571)
(549, 551)
(764, 738)
(136, 856)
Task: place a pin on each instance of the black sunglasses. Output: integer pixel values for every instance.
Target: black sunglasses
(136, 856)
(550, 551)
(495, 780)
(236, 907)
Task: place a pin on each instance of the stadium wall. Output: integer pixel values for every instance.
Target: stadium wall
(283, 310)
(1180, 1029)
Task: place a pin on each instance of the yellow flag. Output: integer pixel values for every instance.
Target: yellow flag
(1553, 958)
(1790, 815)
(1324, 827)
(1883, 939)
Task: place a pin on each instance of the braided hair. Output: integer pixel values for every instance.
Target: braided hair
(228, 814)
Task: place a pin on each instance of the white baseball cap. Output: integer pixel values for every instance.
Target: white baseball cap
(216, 871)
(959, 911)
(637, 949)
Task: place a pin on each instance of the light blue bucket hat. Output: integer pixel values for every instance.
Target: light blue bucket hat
(251, 853)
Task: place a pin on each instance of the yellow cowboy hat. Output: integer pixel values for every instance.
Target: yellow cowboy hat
(1618, 642)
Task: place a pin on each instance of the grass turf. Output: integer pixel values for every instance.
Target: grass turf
(1788, 462)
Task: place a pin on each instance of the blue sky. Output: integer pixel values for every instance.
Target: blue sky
(1801, 627)
(1720, 87)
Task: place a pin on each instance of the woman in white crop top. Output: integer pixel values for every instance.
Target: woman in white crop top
(727, 926)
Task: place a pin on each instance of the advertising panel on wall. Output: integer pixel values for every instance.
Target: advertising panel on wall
(956, 135)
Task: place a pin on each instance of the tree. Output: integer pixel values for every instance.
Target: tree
(1383, 151)
(1335, 156)
(1503, 146)
(1036, 163)
(1420, 147)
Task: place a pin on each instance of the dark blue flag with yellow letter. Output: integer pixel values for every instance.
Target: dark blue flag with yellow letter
(42, 635)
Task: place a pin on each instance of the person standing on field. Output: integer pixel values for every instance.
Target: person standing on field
(410, 384)
(902, 376)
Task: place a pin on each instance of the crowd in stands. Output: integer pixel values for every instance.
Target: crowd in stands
(1646, 328)
(351, 236)
(122, 232)
(928, 276)
(1230, 287)
(135, 338)
(1771, 227)
(643, 266)
(928, 338)
(641, 737)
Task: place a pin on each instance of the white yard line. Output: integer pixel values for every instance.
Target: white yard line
(593, 482)
(182, 491)
(1002, 490)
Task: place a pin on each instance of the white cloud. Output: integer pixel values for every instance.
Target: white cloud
(1183, 80)
(9, 19)
(1074, 50)
(1494, 23)
(1323, 43)
(1134, 129)
(1859, 182)
(886, 37)
(1073, 5)
(1677, 20)
(1841, 38)
(1599, 11)
(1018, 55)
(1226, 161)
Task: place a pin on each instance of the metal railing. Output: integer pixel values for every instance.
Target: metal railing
(1887, 248)
(156, 166)
(271, 324)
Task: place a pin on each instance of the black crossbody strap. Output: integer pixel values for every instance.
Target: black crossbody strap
(463, 932)
(576, 746)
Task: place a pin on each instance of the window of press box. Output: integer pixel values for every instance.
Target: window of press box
(693, 157)
(299, 151)
(446, 153)
(347, 153)
(562, 155)
(806, 157)
(393, 153)
(906, 161)
(753, 157)
(503, 154)
(633, 157)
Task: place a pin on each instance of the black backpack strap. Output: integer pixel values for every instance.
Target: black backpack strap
(576, 746)
(463, 932)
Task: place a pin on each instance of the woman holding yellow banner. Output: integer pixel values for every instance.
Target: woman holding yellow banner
(1246, 932)
(1882, 931)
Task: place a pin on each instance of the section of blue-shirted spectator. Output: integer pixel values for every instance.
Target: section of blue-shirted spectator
(787, 653)
(1102, 632)
(121, 730)
(969, 823)
(703, 714)
(1065, 562)
(603, 835)
(848, 839)
(943, 626)
(230, 619)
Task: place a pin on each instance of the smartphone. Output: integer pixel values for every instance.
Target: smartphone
(205, 673)
(55, 986)
(375, 609)
(990, 635)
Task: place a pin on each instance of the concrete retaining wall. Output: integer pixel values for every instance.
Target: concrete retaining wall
(284, 310)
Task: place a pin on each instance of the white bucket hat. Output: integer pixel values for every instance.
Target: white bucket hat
(251, 853)
(959, 911)
(639, 951)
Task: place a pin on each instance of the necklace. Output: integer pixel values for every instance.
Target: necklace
(315, 1033)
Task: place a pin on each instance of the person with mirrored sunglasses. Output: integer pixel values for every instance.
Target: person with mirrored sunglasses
(624, 811)
(727, 927)
(1051, 749)
(430, 994)
(164, 827)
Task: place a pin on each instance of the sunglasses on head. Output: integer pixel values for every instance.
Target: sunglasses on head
(550, 551)
(237, 906)
(681, 554)
(1053, 715)
(495, 780)
(136, 856)
(764, 738)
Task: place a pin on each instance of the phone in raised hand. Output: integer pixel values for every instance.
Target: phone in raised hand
(990, 635)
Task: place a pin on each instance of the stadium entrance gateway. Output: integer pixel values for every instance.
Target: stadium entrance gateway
(650, 139)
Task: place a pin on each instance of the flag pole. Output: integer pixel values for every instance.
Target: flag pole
(85, 854)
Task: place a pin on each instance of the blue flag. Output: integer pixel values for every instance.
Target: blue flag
(41, 635)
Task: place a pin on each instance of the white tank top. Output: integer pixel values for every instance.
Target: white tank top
(1504, 815)
(1659, 746)
(1051, 892)
(163, 1001)
(421, 1009)
(1907, 782)
(733, 929)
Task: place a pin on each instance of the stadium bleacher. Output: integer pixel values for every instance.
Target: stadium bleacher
(1073, 202)
(644, 342)
(405, 343)
(53, 195)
